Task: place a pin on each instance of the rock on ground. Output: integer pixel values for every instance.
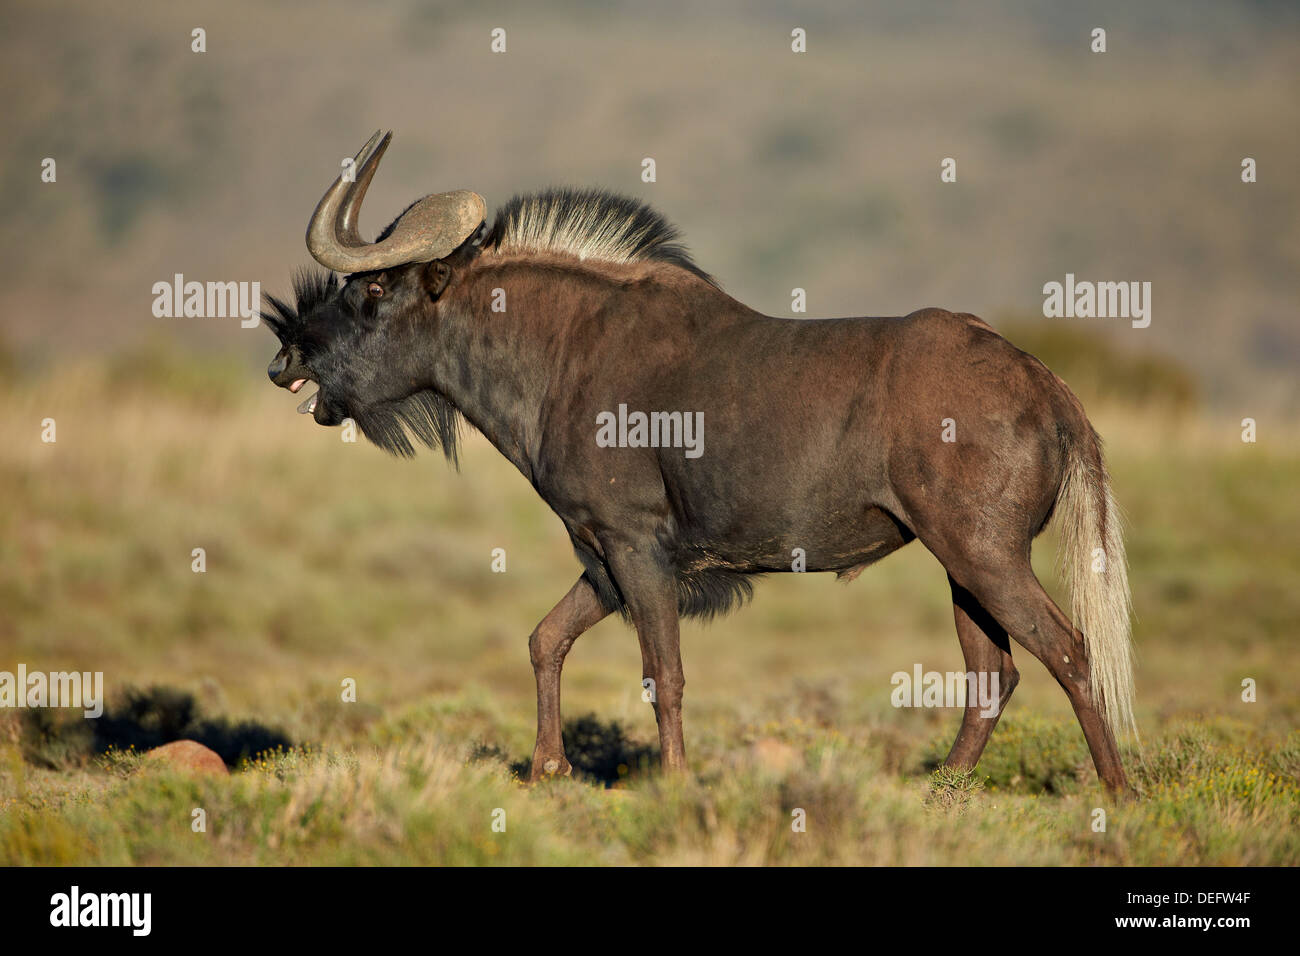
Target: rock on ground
(190, 756)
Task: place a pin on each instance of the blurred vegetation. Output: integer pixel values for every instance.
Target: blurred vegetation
(1097, 370)
(162, 369)
(823, 176)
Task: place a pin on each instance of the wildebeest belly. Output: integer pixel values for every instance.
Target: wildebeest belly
(830, 542)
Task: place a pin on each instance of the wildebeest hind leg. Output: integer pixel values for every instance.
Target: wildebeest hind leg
(987, 651)
(1016, 599)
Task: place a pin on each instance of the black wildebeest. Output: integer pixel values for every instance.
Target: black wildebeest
(822, 435)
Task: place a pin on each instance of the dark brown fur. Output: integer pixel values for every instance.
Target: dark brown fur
(822, 435)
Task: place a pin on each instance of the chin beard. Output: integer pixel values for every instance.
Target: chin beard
(426, 417)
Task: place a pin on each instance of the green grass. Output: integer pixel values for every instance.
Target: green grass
(328, 561)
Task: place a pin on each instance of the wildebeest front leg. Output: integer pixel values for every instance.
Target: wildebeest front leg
(650, 590)
(550, 641)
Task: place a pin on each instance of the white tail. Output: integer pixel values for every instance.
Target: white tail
(1092, 562)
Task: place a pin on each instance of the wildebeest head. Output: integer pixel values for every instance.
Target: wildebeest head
(355, 338)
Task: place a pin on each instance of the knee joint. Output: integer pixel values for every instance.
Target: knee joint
(543, 648)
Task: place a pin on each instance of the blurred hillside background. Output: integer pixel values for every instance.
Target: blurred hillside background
(821, 171)
(818, 170)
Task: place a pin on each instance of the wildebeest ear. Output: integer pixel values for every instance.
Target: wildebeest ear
(436, 276)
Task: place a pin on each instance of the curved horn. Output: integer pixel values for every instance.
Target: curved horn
(430, 229)
(322, 237)
(350, 213)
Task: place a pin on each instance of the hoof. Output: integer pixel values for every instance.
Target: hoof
(551, 767)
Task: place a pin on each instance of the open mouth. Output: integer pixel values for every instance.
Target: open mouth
(309, 405)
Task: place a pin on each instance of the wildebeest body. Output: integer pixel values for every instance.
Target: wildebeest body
(819, 444)
(841, 419)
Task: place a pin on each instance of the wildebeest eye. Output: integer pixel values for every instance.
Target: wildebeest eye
(374, 290)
